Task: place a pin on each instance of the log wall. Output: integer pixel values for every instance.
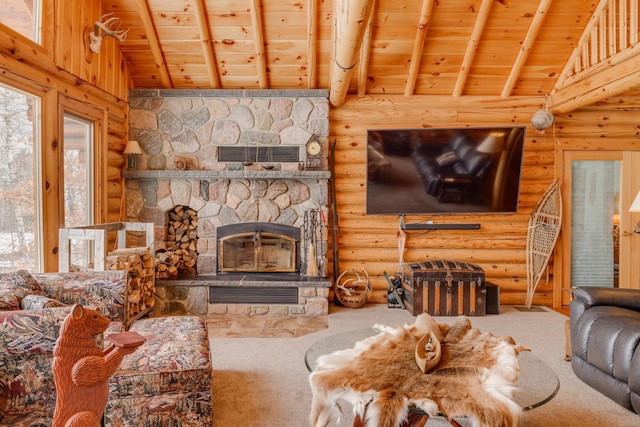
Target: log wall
(370, 241)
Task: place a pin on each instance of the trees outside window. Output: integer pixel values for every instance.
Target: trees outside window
(19, 201)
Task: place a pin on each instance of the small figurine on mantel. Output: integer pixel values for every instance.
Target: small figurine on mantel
(185, 163)
(81, 370)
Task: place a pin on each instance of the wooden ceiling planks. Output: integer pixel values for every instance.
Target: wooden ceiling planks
(457, 47)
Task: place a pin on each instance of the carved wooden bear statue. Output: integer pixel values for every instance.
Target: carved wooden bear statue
(81, 370)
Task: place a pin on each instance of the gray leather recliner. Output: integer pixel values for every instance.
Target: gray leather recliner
(605, 342)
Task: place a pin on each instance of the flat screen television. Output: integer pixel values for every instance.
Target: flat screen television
(444, 170)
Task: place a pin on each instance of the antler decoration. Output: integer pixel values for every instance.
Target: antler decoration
(108, 28)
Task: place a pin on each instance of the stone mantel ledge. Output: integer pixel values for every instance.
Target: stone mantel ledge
(225, 174)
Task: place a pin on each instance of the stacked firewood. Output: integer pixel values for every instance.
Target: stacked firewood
(140, 280)
(166, 264)
(181, 255)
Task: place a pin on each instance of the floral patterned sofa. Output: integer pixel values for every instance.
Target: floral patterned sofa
(166, 382)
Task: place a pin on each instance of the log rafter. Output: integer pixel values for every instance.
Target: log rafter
(418, 45)
(205, 38)
(527, 45)
(363, 63)
(258, 39)
(472, 46)
(154, 44)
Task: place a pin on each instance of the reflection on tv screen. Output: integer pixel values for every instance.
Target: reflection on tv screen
(444, 170)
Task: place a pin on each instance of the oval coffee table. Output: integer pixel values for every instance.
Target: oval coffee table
(537, 382)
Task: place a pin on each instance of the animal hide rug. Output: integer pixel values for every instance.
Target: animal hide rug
(381, 379)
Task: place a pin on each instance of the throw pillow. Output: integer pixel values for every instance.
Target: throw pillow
(448, 158)
(36, 302)
(14, 287)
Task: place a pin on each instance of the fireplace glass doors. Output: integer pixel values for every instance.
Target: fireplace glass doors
(257, 251)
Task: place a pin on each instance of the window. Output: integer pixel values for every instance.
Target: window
(78, 182)
(19, 181)
(22, 16)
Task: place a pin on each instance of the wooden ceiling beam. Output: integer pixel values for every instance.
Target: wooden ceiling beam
(258, 39)
(207, 46)
(472, 46)
(350, 23)
(312, 39)
(526, 47)
(418, 45)
(611, 80)
(154, 44)
(363, 63)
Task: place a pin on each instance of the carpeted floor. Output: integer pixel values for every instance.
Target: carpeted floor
(263, 382)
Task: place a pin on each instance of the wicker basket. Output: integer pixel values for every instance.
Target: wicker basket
(352, 289)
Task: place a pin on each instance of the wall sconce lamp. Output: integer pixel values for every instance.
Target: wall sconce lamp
(107, 27)
(635, 207)
(132, 150)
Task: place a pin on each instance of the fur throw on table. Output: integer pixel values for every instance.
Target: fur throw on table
(381, 379)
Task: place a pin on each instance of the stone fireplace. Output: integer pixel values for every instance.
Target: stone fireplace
(256, 250)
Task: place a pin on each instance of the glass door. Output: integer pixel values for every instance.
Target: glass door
(595, 222)
(595, 210)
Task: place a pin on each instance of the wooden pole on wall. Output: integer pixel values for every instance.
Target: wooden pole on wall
(349, 25)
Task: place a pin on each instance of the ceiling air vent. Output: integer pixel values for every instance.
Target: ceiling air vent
(248, 154)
